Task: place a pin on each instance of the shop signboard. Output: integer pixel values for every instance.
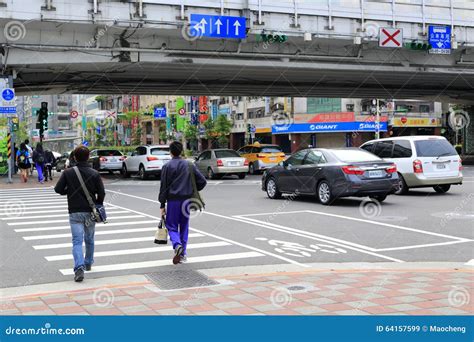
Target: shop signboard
(355, 126)
(416, 122)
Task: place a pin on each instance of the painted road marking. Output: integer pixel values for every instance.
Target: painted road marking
(107, 242)
(470, 262)
(101, 225)
(141, 250)
(67, 220)
(102, 232)
(66, 214)
(157, 263)
(10, 211)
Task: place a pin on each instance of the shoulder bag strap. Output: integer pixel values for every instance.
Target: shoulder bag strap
(193, 178)
(84, 189)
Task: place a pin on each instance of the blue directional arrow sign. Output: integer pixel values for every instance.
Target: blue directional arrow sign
(159, 113)
(215, 26)
(439, 38)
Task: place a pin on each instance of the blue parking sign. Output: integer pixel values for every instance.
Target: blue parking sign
(439, 38)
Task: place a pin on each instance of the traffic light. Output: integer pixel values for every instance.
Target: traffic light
(42, 123)
(418, 45)
(15, 124)
(249, 128)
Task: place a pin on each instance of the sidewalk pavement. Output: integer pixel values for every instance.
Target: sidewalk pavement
(31, 183)
(324, 291)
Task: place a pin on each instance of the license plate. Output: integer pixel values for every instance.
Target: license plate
(272, 159)
(233, 163)
(440, 166)
(375, 174)
(112, 160)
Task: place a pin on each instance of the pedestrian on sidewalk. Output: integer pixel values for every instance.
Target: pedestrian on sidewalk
(39, 159)
(23, 162)
(176, 190)
(30, 152)
(80, 219)
(49, 161)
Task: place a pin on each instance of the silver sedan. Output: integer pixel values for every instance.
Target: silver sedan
(216, 163)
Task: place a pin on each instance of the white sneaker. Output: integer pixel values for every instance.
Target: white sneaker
(183, 259)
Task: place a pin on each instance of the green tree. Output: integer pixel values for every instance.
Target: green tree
(210, 132)
(222, 128)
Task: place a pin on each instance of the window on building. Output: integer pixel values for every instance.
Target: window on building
(424, 108)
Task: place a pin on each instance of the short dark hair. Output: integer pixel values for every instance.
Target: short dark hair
(27, 141)
(81, 154)
(176, 148)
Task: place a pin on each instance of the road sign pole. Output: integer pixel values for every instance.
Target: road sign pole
(9, 152)
(377, 121)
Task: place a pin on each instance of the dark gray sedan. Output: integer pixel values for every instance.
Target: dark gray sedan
(332, 173)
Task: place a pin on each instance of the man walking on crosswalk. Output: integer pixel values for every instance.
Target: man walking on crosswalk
(82, 225)
(176, 190)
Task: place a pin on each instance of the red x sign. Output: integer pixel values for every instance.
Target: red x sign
(390, 37)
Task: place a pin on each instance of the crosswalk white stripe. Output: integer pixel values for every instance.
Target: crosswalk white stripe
(102, 232)
(67, 220)
(107, 242)
(156, 263)
(23, 202)
(33, 196)
(21, 230)
(26, 189)
(141, 250)
(20, 217)
(11, 211)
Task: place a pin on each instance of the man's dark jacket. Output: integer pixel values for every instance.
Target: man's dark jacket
(176, 181)
(68, 184)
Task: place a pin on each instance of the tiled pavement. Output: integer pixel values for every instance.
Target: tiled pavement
(377, 292)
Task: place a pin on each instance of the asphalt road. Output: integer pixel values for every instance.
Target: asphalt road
(239, 227)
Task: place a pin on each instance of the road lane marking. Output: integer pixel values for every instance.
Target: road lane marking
(20, 230)
(106, 242)
(470, 262)
(157, 263)
(28, 189)
(142, 250)
(102, 232)
(21, 217)
(67, 220)
(9, 211)
(32, 196)
(33, 203)
(212, 235)
(420, 246)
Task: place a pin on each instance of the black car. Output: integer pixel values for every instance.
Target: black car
(332, 173)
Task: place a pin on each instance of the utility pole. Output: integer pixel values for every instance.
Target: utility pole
(377, 120)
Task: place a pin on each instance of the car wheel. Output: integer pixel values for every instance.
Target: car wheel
(441, 189)
(252, 170)
(111, 172)
(241, 175)
(379, 198)
(324, 193)
(272, 189)
(402, 186)
(141, 173)
(210, 173)
(124, 171)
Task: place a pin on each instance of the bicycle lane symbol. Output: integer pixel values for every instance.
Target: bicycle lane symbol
(300, 251)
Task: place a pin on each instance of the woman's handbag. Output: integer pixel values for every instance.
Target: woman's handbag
(98, 210)
(196, 200)
(161, 235)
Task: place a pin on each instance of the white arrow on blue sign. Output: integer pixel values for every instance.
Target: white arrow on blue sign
(215, 26)
(8, 94)
(439, 38)
(159, 113)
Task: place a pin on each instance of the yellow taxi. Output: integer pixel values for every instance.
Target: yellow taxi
(261, 156)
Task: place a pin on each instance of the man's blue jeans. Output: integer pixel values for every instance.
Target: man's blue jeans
(82, 229)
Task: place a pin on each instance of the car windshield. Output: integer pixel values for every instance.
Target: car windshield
(226, 154)
(434, 148)
(161, 151)
(350, 156)
(271, 149)
(104, 153)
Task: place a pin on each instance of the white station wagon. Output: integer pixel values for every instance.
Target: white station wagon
(422, 161)
(146, 161)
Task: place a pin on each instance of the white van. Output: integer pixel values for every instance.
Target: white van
(422, 161)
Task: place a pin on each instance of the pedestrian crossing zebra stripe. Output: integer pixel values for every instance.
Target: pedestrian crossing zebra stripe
(10, 211)
(106, 242)
(157, 263)
(33, 196)
(156, 249)
(34, 202)
(66, 214)
(42, 229)
(67, 220)
(106, 232)
(27, 190)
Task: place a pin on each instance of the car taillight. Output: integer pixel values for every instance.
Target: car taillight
(260, 156)
(219, 162)
(122, 158)
(352, 170)
(103, 159)
(417, 167)
(246, 162)
(460, 165)
(391, 169)
(151, 158)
